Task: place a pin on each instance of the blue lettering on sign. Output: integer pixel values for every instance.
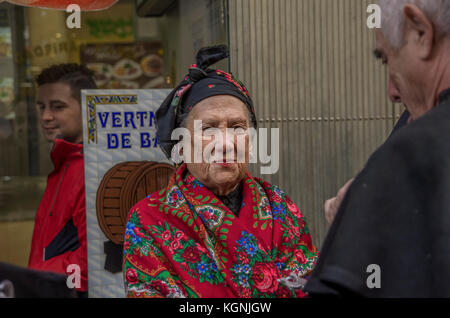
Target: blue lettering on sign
(123, 141)
(141, 116)
(147, 141)
(126, 142)
(152, 115)
(132, 120)
(103, 117)
(129, 118)
(116, 120)
(113, 141)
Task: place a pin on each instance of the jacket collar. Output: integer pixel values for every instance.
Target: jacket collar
(444, 97)
(63, 150)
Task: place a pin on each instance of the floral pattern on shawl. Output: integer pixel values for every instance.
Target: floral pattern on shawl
(184, 242)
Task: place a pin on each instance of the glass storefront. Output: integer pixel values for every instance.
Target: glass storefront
(127, 46)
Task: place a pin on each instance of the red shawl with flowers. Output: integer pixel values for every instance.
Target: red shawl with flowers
(184, 242)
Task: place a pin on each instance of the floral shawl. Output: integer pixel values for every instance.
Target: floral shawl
(184, 242)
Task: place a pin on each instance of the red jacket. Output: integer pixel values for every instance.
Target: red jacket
(59, 237)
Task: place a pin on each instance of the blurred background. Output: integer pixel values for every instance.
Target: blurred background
(307, 63)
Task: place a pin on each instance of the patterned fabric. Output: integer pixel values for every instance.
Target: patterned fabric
(184, 242)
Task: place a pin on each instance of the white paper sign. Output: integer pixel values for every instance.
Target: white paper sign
(118, 126)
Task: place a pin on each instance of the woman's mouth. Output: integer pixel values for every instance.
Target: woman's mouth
(224, 164)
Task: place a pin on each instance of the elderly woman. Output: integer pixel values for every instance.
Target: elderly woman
(214, 231)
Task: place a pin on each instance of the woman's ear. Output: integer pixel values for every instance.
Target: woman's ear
(177, 153)
(419, 31)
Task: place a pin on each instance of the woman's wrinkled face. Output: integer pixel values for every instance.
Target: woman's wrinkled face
(219, 125)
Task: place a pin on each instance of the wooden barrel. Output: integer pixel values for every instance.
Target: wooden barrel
(122, 187)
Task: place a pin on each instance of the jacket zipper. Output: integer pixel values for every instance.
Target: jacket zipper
(54, 199)
(57, 189)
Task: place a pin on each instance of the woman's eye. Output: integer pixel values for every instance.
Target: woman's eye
(239, 129)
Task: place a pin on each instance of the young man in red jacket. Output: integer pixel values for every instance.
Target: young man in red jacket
(59, 238)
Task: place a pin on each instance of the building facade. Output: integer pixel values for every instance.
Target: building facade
(308, 65)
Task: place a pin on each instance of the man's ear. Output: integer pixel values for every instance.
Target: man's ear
(419, 30)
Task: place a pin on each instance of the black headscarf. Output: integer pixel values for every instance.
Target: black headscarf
(198, 85)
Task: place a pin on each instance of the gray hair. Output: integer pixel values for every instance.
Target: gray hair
(393, 18)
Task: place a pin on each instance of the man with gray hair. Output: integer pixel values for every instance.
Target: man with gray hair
(391, 235)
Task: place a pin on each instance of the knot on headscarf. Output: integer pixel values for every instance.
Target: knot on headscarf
(196, 74)
(199, 84)
(205, 58)
(208, 56)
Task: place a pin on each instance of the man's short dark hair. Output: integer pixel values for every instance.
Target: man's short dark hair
(77, 76)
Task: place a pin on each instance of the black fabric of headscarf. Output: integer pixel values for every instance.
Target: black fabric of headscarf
(198, 85)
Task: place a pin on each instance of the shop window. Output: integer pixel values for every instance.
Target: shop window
(124, 50)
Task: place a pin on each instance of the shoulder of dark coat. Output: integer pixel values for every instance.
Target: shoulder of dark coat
(422, 141)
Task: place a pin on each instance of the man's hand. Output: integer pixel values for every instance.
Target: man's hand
(332, 205)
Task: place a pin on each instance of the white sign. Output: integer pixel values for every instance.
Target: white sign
(118, 127)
